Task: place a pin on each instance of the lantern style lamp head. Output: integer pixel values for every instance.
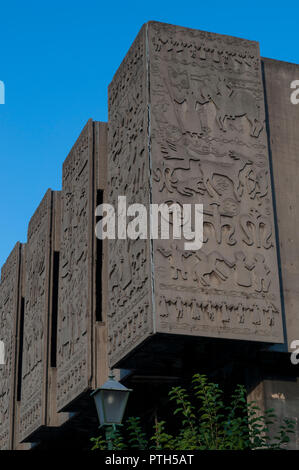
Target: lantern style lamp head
(111, 401)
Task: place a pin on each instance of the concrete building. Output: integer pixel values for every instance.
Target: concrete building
(194, 117)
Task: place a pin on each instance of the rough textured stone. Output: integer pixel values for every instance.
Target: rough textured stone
(284, 143)
(9, 306)
(186, 114)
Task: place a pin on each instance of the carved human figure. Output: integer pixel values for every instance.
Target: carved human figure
(176, 258)
(270, 311)
(210, 311)
(216, 222)
(189, 116)
(225, 312)
(188, 309)
(256, 315)
(196, 311)
(240, 313)
(164, 304)
(261, 274)
(180, 308)
(243, 270)
(257, 229)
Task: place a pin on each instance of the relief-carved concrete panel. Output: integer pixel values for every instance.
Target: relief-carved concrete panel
(9, 301)
(75, 309)
(209, 145)
(186, 111)
(129, 279)
(36, 318)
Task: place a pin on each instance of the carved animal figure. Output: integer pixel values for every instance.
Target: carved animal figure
(207, 264)
(189, 186)
(179, 156)
(229, 166)
(231, 104)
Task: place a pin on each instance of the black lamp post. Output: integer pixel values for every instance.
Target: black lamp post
(111, 401)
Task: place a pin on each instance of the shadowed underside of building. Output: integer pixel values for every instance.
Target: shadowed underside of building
(194, 117)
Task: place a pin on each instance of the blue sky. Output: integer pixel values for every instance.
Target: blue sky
(57, 59)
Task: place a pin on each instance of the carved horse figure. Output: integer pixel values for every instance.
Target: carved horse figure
(231, 104)
(179, 156)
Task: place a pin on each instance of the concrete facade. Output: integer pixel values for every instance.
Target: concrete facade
(9, 314)
(194, 117)
(284, 144)
(188, 126)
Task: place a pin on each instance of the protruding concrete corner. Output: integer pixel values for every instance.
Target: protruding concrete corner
(187, 125)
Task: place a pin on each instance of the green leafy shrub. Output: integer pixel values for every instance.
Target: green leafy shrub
(205, 422)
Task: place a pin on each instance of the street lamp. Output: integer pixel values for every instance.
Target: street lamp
(111, 401)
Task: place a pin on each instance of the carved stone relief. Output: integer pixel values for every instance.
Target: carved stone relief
(36, 318)
(209, 146)
(74, 311)
(9, 297)
(186, 114)
(129, 280)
